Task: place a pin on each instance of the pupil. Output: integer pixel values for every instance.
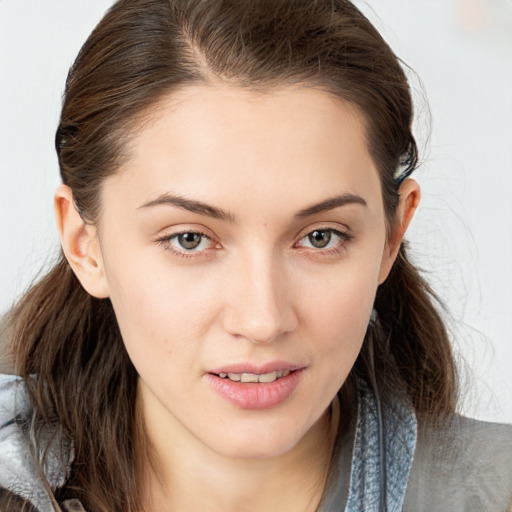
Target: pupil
(189, 240)
(320, 239)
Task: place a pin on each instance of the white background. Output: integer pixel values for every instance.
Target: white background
(462, 52)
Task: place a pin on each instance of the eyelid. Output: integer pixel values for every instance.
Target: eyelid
(345, 231)
(344, 234)
(180, 229)
(171, 234)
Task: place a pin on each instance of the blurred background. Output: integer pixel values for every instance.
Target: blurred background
(460, 54)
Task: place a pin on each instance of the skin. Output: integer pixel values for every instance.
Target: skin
(257, 290)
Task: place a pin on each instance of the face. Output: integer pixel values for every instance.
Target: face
(242, 245)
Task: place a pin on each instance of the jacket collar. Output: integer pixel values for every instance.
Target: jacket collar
(382, 454)
(383, 449)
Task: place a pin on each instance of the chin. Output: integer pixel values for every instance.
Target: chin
(257, 449)
(259, 440)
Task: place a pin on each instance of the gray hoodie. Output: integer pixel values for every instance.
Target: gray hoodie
(385, 462)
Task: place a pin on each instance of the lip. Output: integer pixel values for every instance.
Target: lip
(256, 396)
(270, 367)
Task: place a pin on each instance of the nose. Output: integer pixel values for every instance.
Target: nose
(258, 306)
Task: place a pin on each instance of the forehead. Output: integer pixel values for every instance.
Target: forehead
(222, 143)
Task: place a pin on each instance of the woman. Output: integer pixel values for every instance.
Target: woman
(234, 323)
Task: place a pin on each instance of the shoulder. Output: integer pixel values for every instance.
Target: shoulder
(21, 478)
(461, 465)
(17, 471)
(10, 502)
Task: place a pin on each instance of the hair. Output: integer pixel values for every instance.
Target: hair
(141, 52)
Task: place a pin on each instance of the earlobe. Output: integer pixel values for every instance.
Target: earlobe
(80, 244)
(410, 195)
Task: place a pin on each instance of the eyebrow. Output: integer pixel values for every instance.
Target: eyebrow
(191, 206)
(211, 211)
(330, 204)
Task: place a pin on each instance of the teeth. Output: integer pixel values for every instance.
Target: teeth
(268, 377)
(247, 377)
(252, 377)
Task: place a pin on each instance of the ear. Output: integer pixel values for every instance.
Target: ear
(80, 244)
(410, 196)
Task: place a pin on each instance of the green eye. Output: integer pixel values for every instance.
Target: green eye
(326, 240)
(320, 238)
(189, 241)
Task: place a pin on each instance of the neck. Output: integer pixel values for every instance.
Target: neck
(187, 475)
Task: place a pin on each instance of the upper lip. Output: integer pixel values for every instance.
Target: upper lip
(255, 369)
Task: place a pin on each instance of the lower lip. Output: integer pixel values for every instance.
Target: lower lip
(262, 395)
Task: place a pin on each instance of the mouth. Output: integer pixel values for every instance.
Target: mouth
(254, 377)
(250, 387)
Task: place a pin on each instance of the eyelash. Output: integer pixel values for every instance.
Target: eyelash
(345, 237)
(165, 241)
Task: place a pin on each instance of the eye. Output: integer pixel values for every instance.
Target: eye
(320, 239)
(189, 241)
(186, 243)
(328, 239)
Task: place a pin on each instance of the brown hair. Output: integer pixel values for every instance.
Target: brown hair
(141, 51)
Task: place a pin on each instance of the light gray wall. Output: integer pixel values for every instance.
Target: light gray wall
(461, 49)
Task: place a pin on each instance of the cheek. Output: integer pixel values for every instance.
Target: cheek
(338, 312)
(341, 318)
(160, 309)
